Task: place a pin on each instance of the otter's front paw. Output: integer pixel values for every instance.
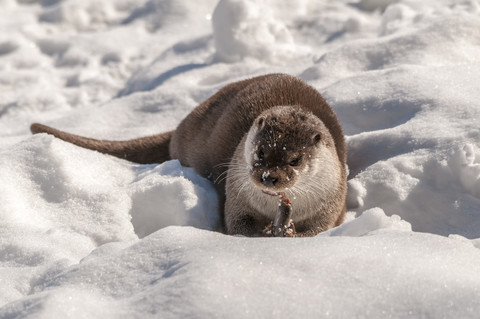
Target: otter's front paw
(287, 231)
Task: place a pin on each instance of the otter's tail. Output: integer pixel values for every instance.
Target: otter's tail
(144, 150)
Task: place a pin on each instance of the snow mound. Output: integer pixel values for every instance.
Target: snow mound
(246, 28)
(46, 177)
(369, 221)
(170, 194)
(443, 41)
(436, 195)
(183, 272)
(59, 202)
(465, 166)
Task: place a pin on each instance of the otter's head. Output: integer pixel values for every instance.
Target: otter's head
(281, 146)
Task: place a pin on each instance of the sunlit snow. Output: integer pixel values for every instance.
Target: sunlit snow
(86, 235)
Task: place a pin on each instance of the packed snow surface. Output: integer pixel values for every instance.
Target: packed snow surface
(86, 235)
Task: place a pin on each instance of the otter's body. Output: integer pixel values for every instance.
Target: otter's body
(276, 116)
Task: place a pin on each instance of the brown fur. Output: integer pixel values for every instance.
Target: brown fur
(210, 138)
(290, 150)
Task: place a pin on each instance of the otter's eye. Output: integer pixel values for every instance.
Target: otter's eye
(260, 155)
(294, 162)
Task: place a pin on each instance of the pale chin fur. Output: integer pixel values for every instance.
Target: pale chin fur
(316, 183)
(267, 205)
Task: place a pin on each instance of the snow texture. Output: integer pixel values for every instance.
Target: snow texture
(86, 235)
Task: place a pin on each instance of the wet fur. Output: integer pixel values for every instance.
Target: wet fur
(211, 139)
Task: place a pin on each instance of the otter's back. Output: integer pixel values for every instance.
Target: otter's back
(209, 135)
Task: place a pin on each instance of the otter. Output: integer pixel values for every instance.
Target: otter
(268, 133)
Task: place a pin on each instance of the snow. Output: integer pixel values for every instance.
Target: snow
(249, 29)
(85, 235)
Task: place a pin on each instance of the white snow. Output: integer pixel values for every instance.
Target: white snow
(248, 28)
(85, 235)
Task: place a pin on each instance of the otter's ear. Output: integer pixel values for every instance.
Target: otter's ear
(260, 122)
(316, 138)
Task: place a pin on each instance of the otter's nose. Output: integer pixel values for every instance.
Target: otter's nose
(269, 180)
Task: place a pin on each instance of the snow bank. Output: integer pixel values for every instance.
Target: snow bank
(86, 235)
(170, 194)
(182, 272)
(59, 202)
(421, 115)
